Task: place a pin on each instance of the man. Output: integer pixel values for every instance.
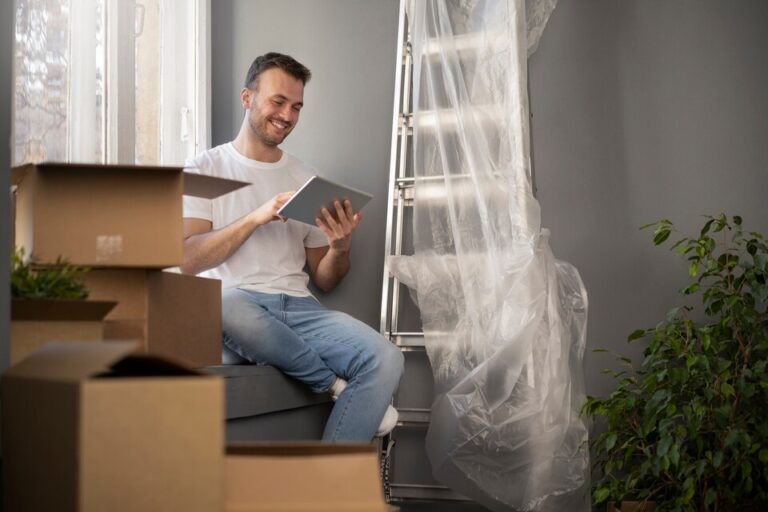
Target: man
(268, 314)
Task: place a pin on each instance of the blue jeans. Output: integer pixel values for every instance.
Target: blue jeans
(314, 345)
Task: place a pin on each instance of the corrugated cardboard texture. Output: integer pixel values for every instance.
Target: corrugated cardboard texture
(173, 315)
(125, 217)
(151, 444)
(77, 437)
(106, 215)
(303, 477)
(35, 322)
(28, 336)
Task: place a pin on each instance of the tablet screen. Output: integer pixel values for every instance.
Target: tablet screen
(306, 203)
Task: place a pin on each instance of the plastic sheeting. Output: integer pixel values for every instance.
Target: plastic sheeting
(504, 321)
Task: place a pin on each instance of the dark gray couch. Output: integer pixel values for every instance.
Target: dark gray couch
(263, 404)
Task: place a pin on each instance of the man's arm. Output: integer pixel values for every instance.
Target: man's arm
(328, 265)
(205, 248)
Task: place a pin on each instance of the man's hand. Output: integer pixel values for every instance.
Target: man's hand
(339, 229)
(267, 212)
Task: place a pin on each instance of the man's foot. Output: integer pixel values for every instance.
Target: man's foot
(388, 422)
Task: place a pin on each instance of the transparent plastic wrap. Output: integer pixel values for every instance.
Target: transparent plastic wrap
(504, 321)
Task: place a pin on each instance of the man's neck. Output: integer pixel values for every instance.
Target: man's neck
(255, 149)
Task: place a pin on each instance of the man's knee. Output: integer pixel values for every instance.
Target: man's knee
(390, 358)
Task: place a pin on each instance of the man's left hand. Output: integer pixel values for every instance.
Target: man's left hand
(339, 229)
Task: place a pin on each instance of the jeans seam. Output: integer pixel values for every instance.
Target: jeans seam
(340, 421)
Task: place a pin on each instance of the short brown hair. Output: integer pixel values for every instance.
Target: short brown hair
(276, 60)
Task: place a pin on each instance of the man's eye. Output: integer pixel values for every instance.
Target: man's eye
(297, 108)
(278, 103)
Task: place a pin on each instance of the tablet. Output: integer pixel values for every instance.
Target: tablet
(306, 203)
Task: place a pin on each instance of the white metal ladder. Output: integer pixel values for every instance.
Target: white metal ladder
(400, 198)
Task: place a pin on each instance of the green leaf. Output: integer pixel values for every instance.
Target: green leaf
(610, 441)
(693, 270)
(661, 236)
(664, 445)
(637, 334)
(717, 459)
(764, 455)
(601, 495)
(710, 497)
(737, 220)
(727, 389)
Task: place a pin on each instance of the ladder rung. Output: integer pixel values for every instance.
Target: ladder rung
(409, 340)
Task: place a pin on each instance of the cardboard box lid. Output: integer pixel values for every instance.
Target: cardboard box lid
(76, 361)
(60, 309)
(307, 476)
(197, 185)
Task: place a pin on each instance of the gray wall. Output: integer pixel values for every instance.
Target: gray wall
(6, 53)
(646, 109)
(642, 109)
(346, 122)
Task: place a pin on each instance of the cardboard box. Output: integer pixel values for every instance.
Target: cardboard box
(172, 315)
(304, 477)
(88, 427)
(106, 215)
(35, 322)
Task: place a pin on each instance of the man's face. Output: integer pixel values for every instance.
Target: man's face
(274, 106)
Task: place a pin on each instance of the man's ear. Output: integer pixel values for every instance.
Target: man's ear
(245, 97)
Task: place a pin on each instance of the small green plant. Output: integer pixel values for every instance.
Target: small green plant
(688, 428)
(57, 281)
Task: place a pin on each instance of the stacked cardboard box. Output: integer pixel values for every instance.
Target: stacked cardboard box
(95, 427)
(34, 322)
(125, 223)
(303, 477)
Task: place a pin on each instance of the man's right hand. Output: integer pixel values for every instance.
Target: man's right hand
(267, 212)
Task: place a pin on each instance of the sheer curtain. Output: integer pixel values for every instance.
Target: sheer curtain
(504, 321)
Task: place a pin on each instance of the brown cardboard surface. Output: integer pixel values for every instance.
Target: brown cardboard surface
(172, 315)
(105, 215)
(60, 309)
(27, 337)
(77, 436)
(302, 477)
(35, 322)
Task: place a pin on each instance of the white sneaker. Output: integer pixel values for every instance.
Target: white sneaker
(388, 422)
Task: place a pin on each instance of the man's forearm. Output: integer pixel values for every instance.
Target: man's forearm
(207, 250)
(331, 269)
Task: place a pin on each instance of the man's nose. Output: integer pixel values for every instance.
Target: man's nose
(289, 115)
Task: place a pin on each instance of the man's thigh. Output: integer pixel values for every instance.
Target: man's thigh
(342, 341)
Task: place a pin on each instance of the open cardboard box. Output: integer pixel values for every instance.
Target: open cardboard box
(171, 315)
(303, 477)
(35, 322)
(106, 215)
(92, 427)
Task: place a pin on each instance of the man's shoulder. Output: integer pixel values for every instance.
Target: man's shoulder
(209, 161)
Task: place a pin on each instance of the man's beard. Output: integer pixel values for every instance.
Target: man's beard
(260, 130)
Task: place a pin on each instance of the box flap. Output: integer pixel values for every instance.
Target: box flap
(18, 173)
(303, 477)
(60, 309)
(71, 360)
(198, 185)
(209, 187)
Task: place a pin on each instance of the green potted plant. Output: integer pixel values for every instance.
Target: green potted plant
(688, 427)
(48, 303)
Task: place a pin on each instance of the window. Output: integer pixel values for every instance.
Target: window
(111, 80)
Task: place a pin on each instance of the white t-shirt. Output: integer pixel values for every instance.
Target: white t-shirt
(272, 259)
